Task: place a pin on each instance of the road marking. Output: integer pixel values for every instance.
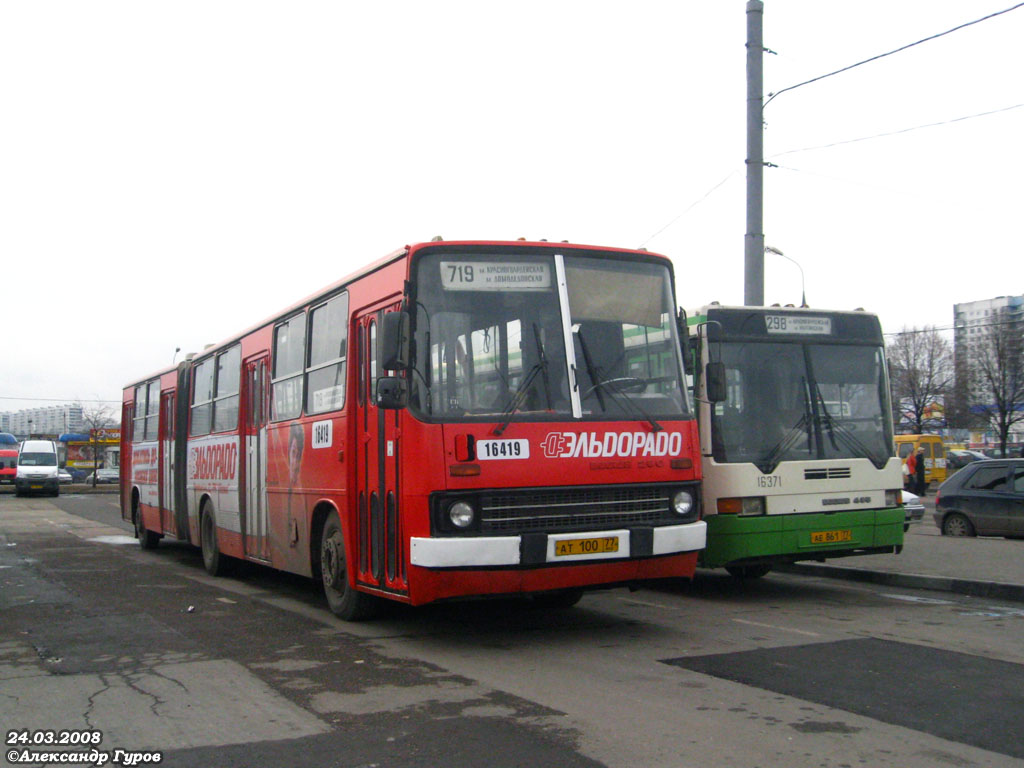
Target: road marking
(916, 599)
(780, 629)
(114, 539)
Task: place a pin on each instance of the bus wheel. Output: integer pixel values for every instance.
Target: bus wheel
(214, 562)
(957, 525)
(345, 602)
(748, 571)
(147, 539)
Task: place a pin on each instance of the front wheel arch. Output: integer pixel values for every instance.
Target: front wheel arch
(345, 601)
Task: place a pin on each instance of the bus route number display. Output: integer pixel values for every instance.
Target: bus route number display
(798, 325)
(495, 276)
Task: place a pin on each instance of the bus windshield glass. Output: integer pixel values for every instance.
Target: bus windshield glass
(798, 402)
(524, 335)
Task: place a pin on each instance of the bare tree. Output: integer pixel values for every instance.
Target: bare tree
(997, 377)
(921, 374)
(96, 418)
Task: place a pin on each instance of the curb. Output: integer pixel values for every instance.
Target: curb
(989, 589)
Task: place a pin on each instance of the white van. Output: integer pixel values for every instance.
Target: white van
(37, 468)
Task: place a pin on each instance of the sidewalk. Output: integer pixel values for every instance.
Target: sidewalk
(979, 566)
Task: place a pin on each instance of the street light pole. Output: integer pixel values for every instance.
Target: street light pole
(753, 243)
(803, 291)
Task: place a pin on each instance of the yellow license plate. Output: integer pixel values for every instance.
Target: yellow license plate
(35, 487)
(598, 546)
(831, 537)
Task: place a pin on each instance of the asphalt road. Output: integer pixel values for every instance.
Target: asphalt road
(144, 648)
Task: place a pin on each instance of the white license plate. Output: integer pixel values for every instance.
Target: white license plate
(502, 449)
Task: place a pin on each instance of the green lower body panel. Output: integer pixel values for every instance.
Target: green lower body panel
(767, 539)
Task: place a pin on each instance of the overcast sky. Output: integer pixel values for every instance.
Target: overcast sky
(172, 173)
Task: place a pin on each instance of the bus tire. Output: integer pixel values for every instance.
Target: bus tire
(748, 571)
(216, 564)
(344, 600)
(147, 538)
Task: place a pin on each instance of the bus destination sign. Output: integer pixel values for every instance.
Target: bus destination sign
(495, 276)
(798, 325)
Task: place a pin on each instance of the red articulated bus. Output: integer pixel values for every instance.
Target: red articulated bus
(457, 419)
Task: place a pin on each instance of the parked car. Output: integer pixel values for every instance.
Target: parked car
(64, 476)
(958, 459)
(104, 476)
(984, 498)
(913, 510)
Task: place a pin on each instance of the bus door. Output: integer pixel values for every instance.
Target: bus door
(380, 549)
(166, 466)
(255, 524)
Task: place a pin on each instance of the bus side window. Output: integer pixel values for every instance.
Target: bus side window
(328, 354)
(289, 353)
(202, 398)
(225, 403)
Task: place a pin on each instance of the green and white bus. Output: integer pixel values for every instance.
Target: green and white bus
(796, 436)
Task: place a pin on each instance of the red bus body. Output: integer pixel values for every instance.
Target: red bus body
(8, 465)
(271, 479)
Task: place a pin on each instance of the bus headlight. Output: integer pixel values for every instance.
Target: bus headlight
(893, 498)
(461, 514)
(748, 506)
(682, 503)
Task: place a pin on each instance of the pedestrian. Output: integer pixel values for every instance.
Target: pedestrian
(919, 472)
(909, 473)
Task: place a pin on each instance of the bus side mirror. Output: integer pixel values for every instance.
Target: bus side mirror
(394, 342)
(685, 341)
(392, 393)
(714, 376)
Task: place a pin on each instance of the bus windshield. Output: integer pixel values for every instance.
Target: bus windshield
(792, 402)
(536, 336)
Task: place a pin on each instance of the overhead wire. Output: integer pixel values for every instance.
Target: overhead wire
(692, 205)
(771, 96)
(864, 138)
(931, 328)
(898, 132)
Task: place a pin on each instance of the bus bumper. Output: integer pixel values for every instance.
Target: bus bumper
(538, 549)
(776, 539)
(497, 565)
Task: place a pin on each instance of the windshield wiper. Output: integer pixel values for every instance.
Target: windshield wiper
(786, 443)
(844, 433)
(594, 371)
(804, 423)
(523, 389)
(599, 382)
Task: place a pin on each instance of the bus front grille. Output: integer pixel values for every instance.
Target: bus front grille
(576, 509)
(831, 473)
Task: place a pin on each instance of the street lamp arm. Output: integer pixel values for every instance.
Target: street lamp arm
(803, 290)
